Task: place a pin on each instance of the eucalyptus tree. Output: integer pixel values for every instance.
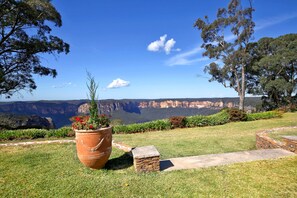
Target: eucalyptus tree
(226, 41)
(25, 34)
(274, 74)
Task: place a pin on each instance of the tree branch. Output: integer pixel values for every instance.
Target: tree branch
(13, 28)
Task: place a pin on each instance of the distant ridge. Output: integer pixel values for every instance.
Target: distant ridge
(127, 110)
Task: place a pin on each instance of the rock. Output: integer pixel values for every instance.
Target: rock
(12, 121)
(51, 123)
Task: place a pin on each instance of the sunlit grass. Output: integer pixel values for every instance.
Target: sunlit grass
(277, 135)
(54, 171)
(230, 137)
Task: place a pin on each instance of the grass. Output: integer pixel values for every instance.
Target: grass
(35, 140)
(277, 135)
(230, 137)
(54, 170)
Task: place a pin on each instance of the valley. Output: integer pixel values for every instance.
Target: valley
(127, 110)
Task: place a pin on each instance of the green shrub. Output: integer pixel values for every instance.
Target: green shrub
(264, 115)
(197, 121)
(161, 125)
(22, 134)
(143, 127)
(216, 119)
(219, 118)
(177, 121)
(236, 115)
(38, 134)
(61, 132)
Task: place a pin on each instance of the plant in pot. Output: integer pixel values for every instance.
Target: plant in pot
(93, 134)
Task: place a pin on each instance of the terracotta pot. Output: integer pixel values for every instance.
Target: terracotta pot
(94, 146)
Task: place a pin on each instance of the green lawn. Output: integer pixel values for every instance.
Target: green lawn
(230, 137)
(277, 135)
(54, 170)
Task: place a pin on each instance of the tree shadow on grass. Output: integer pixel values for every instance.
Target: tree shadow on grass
(122, 162)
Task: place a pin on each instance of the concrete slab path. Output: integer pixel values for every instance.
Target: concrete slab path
(204, 161)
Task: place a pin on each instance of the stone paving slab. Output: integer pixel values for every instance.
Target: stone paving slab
(294, 138)
(204, 161)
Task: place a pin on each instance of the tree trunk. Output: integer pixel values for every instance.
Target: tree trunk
(241, 101)
(242, 93)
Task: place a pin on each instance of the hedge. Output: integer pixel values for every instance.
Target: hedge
(264, 115)
(143, 127)
(200, 121)
(35, 133)
(222, 117)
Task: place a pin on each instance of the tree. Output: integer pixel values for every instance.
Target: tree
(274, 74)
(92, 87)
(231, 53)
(24, 36)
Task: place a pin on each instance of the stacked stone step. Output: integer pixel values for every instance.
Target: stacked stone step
(146, 159)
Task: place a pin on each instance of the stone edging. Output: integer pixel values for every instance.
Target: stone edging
(263, 141)
(118, 145)
(122, 146)
(38, 142)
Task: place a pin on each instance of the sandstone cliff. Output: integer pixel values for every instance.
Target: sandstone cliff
(135, 107)
(129, 110)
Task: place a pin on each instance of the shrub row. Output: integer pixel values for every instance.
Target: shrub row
(35, 133)
(143, 127)
(264, 115)
(200, 121)
(175, 122)
(222, 117)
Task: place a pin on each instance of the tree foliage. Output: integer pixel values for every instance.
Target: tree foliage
(274, 74)
(24, 36)
(230, 52)
(92, 87)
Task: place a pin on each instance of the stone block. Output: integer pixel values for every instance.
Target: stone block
(146, 159)
(290, 143)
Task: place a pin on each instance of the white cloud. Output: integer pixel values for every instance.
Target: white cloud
(117, 83)
(157, 45)
(162, 45)
(169, 45)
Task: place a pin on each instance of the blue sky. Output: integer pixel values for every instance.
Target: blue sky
(143, 49)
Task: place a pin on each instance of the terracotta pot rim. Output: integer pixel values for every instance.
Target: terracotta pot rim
(92, 130)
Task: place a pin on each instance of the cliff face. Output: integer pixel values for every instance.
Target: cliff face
(107, 108)
(135, 107)
(60, 112)
(130, 111)
(42, 108)
(185, 104)
(10, 121)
